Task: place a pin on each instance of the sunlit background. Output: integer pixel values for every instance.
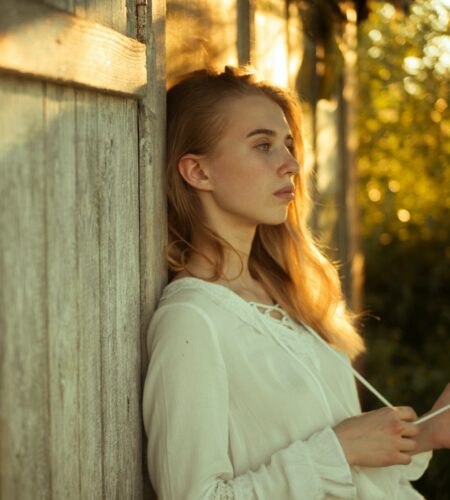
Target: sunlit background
(404, 200)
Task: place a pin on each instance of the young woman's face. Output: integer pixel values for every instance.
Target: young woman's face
(252, 160)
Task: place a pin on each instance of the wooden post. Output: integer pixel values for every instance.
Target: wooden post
(151, 24)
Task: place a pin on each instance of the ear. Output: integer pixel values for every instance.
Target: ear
(194, 170)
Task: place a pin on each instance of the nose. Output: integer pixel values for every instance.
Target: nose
(289, 164)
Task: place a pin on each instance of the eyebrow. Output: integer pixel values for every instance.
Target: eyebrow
(266, 131)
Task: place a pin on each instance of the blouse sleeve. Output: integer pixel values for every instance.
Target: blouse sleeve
(185, 410)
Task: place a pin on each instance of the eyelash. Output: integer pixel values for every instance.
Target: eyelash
(291, 148)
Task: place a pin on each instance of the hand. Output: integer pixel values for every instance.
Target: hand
(379, 438)
(435, 433)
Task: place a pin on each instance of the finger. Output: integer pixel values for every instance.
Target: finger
(410, 430)
(407, 445)
(406, 413)
(404, 459)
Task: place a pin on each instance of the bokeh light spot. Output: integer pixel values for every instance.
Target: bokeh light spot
(394, 186)
(403, 215)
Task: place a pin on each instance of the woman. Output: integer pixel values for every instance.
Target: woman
(250, 392)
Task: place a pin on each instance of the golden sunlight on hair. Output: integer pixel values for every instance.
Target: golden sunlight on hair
(284, 257)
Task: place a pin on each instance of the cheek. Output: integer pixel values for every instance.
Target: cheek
(242, 176)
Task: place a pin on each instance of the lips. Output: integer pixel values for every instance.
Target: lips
(285, 189)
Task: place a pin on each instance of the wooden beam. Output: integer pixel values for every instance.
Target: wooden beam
(46, 43)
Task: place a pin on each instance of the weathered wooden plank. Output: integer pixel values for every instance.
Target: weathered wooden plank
(134, 10)
(88, 293)
(152, 178)
(152, 206)
(119, 298)
(111, 13)
(118, 16)
(69, 50)
(128, 301)
(60, 202)
(24, 393)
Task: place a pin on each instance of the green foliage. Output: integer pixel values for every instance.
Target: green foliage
(404, 179)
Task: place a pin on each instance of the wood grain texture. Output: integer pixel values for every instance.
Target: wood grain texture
(88, 295)
(24, 378)
(119, 297)
(116, 14)
(71, 50)
(70, 386)
(62, 304)
(152, 188)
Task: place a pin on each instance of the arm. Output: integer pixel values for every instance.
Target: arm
(186, 412)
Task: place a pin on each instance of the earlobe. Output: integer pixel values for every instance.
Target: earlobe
(192, 170)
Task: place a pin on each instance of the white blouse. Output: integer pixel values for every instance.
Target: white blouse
(240, 405)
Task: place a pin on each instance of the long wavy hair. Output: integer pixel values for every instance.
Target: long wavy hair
(285, 258)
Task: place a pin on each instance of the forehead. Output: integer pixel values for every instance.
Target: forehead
(252, 112)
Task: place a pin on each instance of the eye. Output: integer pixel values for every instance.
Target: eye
(265, 146)
(290, 147)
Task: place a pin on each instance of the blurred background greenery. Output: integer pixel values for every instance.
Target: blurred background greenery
(404, 179)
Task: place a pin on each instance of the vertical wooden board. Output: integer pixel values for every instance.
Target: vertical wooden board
(152, 195)
(62, 299)
(133, 12)
(152, 175)
(88, 293)
(119, 304)
(118, 15)
(111, 13)
(108, 293)
(128, 300)
(24, 412)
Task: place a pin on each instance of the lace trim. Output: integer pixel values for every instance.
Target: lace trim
(294, 336)
(223, 491)
(298, 340)
(241, 488)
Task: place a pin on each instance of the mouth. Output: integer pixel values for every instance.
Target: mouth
(287, 195)
(287, 192)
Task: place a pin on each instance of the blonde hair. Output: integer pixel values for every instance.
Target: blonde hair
(285, 258)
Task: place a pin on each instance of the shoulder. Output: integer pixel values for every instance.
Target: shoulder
(185, 311)
(185, 297)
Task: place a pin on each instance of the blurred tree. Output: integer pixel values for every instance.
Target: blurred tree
(404, 179)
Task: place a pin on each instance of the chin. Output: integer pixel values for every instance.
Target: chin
(275, 220)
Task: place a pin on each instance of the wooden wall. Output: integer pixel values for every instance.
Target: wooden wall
(81, 182)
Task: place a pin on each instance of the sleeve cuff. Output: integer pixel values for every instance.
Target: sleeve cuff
(418, 466)
(331, 464)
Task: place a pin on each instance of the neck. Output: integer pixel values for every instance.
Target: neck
(235, 273)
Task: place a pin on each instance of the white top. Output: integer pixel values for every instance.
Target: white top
(240, 405)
